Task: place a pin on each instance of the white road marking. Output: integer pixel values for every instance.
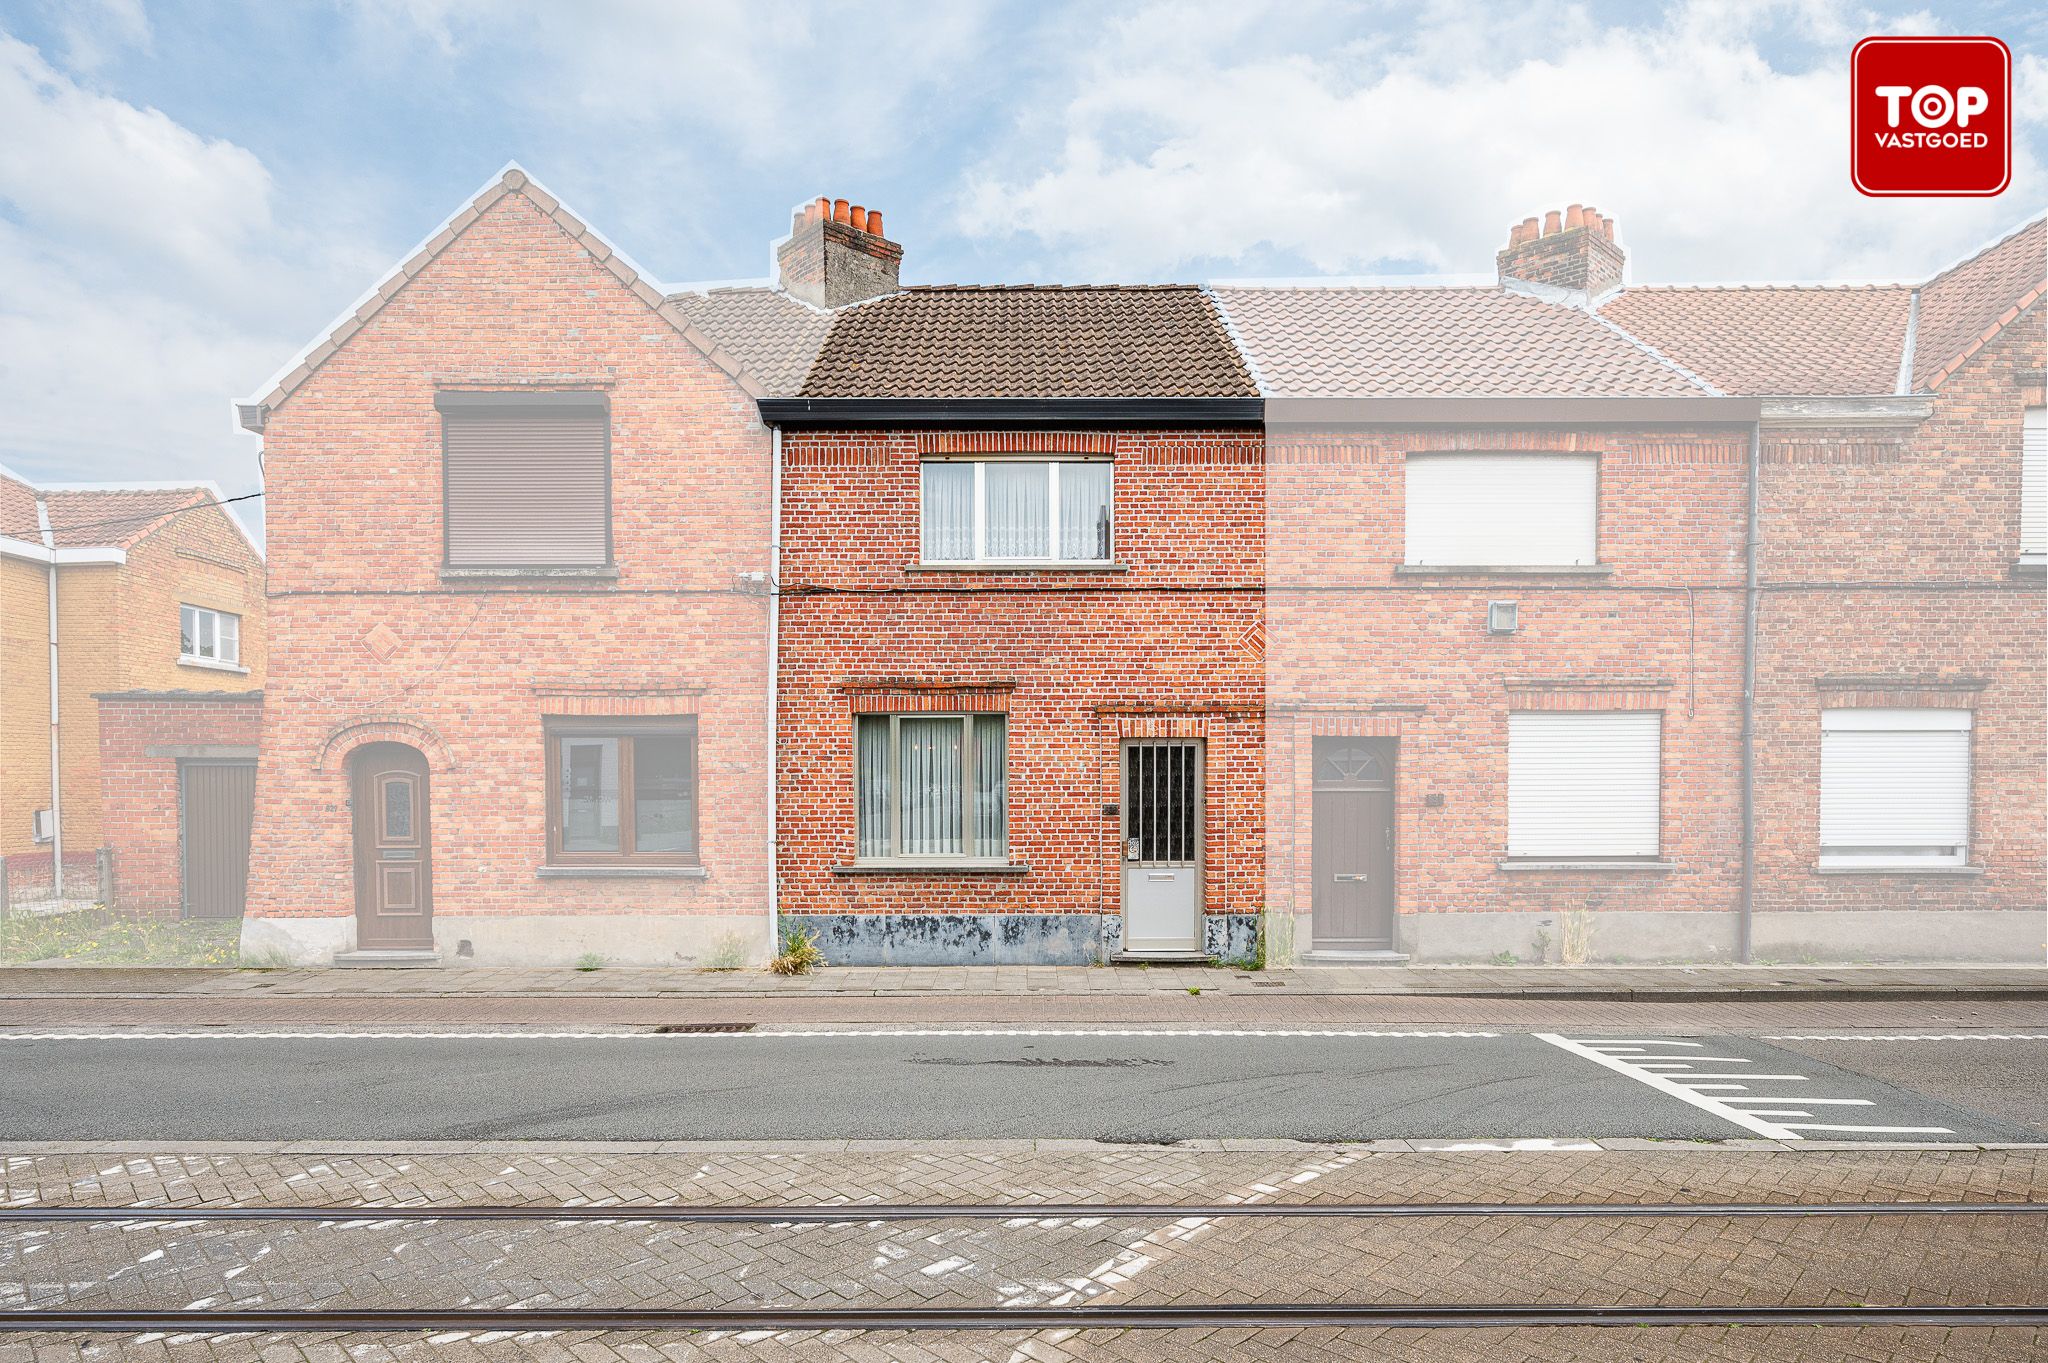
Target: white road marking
(1704, 1102)
(218, 1034)
(1913, 1036)
(1718, 1092)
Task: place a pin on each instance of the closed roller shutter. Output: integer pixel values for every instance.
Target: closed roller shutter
(528, 484)
(1502, 510)
(1584, 785)
(2034, 483)
(1895, 783)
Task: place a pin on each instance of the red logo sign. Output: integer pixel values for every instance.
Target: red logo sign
(1930, 117)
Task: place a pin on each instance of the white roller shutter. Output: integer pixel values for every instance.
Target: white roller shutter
(2034, 482)
(1502, 510)
(1895, 783)
(1584, 784)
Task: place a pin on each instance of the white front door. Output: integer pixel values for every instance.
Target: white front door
(1162, 844)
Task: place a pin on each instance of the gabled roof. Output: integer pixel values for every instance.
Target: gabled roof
(1343, 341)
(1031, 341)
(773, 334)
(1965, 306)
(1806, 340)
(102, 515)
(512, 180)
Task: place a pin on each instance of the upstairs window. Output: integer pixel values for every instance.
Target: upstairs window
(1502, 510)
(526, 480)
(209, 636)
(1894, 788)
(932, 787)
(2034, 483)
(1016, 511)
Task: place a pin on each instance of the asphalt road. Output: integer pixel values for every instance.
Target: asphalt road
(924, 1085)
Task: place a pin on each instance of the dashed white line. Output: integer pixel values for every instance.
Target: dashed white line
(1912, 1036)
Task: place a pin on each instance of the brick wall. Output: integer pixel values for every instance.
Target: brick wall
(1356, 646)
(370, 643)
(142, 738)
(1890, 567)
(1168, 646)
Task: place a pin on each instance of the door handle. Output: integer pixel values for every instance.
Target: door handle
(1350, 875)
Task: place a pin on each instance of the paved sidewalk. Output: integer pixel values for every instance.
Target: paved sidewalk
(1591, 982)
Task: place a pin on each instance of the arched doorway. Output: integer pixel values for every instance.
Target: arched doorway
(393, 848)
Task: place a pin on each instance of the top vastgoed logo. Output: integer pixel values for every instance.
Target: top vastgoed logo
(1931, 116)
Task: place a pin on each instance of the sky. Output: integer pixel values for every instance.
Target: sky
(190, 193)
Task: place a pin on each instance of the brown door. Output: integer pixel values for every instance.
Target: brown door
(394, 864)
(1353, 855)
(218, 805)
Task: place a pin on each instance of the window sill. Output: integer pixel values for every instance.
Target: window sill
(1022, 566)
(214, 665)
(1583, 864)
(2030, 565)
(1897, 868)
(1503, 570)
(622, 873)
(603, 573)
(942, 868)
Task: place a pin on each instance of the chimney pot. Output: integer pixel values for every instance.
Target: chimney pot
(860, 218)
(1550, 223)
(821, 209)
(1607, 228)
(841, 210)
(875, 221)
(1575, 216)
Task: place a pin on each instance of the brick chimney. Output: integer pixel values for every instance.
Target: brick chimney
(1574, 251)
(836, 254)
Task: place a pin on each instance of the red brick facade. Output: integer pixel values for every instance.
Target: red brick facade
(1165, 644)
(146, 740)
(374, 642)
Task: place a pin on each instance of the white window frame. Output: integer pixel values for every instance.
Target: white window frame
(227, 659)
(981, 558)
(2034, 485)
(1904, 719)
(1409, 550)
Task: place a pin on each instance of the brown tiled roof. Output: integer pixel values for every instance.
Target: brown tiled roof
(17, 509)
(1437, 342)
(114, 516)
(1965, 306)
(774, 335)
(1768, 340)
(1031, 341)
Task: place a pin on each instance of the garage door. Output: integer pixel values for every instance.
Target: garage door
(219, 802)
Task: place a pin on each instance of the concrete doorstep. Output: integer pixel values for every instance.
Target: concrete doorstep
(1632, 983)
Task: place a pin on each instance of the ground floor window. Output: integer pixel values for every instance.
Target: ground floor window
(622, 791)
(932, 787)
(1894, 787)
(1584, 784)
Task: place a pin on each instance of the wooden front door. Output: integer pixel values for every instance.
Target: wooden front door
(1353, 855)
(217, 806)
(394, 851)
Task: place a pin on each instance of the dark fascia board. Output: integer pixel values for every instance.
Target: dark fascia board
(1514, 411)
(1063, 412)
(537, 402)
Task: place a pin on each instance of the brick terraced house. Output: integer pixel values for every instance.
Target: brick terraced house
(158, 593)
(1553, 617)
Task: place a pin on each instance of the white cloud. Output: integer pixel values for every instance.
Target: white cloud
(148, 281)
(1716, 163)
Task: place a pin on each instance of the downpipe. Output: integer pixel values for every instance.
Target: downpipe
(1745, 917)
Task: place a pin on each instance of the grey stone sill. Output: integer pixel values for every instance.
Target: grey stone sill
(1502, 570)
(2030, 565)
(212, 665)
(1559, 864)
(943, 868)
(603, 574)
(622, 873)
(1904, 868)
(1019, 566)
